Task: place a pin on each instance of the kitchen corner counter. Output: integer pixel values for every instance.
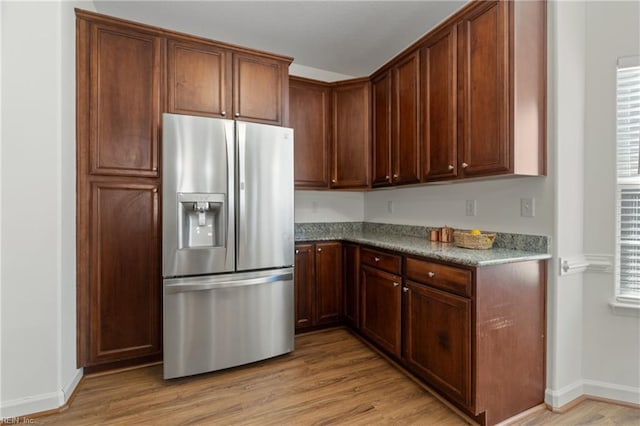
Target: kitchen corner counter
(508, 248)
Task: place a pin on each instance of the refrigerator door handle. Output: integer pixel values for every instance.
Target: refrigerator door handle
(205, 286)
(231, 154)
(241, 133)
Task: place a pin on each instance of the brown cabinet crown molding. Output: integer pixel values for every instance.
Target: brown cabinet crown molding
(157, 31)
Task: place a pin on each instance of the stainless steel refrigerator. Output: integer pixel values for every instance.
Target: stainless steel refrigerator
(228, 247)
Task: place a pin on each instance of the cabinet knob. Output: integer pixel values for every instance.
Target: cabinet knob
(387, 177)
(377, 259)
(450, 167)
(333, 181)
(405, 289)
(297, 251)
(320, 249)
(223, 113)
(395, 176)
(431, 274)
(237, 114)
(465, 165)
(396, 284)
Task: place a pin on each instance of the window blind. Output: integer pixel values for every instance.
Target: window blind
(628, 166)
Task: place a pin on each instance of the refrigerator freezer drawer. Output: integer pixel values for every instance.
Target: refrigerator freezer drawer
(217, 322)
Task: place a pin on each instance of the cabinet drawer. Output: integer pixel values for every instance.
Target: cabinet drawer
(448, 278)
(380, 260)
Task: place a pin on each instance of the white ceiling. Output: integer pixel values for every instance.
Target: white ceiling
(347, 37)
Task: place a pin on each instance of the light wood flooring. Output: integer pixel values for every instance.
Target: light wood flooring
(331, 378)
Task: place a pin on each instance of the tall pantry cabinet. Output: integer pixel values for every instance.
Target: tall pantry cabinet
(128, 74)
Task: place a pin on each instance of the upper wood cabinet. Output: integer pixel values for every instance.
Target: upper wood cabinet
(309, 116)
(396, 157)
(404, 107)
(438, 98)
(483, 72)
(260, 89)
(123, 101)
(199, 79)
(351, 134)
(381, 138)
(502, 89)
(206, 79)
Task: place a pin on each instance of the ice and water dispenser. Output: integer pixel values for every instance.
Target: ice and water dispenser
(201, 220)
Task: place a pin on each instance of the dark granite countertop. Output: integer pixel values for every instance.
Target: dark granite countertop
(507, 248)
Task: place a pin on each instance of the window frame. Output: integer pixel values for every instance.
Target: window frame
(622, 299)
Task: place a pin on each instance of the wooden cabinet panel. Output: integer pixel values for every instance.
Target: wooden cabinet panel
(406, 158)
(381, 260)
(438, 96)
(328, 283)
(198, 78)
(124, 102)
(258, 88)
(483, 70)
(304, 285)
(351, 267)
(438, 339)
(381, 304)
(125, 314)
(351, 135)
(381, 138)
(447, 278)
(309, 116)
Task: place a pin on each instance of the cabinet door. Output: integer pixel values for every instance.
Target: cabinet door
(381, 138)
(351, 267)
(406, 158)
(258, 89)
(198, 79)
(328, 283)
(439, 99)
(380, 308)
(438, 339)
(304, 285)
(484, 92)
(351, 136)
(124, 102)
(309, 116)
(125, 280)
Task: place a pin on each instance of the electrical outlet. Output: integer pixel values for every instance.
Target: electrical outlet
(471, 208)
(527, 207)
(390, 206)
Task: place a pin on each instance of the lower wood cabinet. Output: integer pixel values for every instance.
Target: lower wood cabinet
(437, 338)
(351, 268)
(318, 284)
(381, 301)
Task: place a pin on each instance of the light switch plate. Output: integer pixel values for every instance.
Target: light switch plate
(527, 207)
(471, 208)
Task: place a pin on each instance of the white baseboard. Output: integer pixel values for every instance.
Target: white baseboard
(31, 404)
(39, 403)
(563, 396)
(71, 386)
(604, 390)
(612, 391)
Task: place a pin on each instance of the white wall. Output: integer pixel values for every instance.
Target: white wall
(566, 131)
(611, 365)
(316, 73)
(329, 206)
(38, 208)
(498, 205)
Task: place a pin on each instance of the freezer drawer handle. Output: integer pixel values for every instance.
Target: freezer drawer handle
(182, 288)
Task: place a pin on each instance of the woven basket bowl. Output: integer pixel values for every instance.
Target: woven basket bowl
(483, 241)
